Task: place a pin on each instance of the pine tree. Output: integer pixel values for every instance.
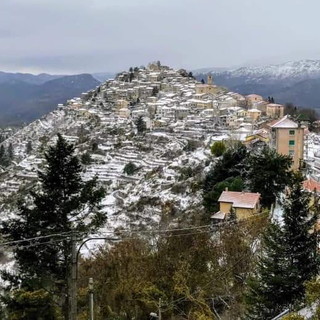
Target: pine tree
(267, 288)
(2, 155)
(289, 257)
(10, 152)
(300, 237)
(268, 174)
(29, 147)
(64, 204)
(141, 125)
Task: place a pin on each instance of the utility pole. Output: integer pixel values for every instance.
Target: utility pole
(73, 285)
(91, 297)
(159, 313)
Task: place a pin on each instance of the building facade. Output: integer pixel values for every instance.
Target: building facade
(287, 137)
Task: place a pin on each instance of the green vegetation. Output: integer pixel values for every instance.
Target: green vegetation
(141, 125)
(264, 171)
(130, 168)
(218, 148)
(63, 204)
(86, 158)
(6, 155)
(187, 269)
(288, 258)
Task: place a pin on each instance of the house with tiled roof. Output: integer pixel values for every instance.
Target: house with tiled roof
(243, 204)
(311, 185)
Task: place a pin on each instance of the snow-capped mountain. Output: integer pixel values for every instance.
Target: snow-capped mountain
(298, 70)
(282, 81)
(292, 71)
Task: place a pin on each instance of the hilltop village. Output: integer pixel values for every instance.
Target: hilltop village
(180, 118)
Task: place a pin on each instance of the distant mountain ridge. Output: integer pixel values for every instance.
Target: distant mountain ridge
(27, 77)
(26, 97)
(283, 81)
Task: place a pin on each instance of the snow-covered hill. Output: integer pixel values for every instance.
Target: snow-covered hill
(171, 158)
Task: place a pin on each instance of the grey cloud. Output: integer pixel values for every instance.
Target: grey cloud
(99, 35)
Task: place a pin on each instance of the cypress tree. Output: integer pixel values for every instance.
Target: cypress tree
(29, 147)
(10, 152)
(141, 125)
(63, 204)
(2, 155)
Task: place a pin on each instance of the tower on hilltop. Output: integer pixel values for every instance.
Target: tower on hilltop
(209, 80)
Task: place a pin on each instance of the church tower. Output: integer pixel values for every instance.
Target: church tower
(209, 80)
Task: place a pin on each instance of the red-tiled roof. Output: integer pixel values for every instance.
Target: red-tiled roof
(311, 185)
(240, 199)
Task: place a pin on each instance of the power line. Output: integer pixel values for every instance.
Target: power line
(62, 234)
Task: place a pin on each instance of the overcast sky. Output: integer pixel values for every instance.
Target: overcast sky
(73, 36)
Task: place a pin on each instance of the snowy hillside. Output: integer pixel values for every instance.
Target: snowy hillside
(170, 158)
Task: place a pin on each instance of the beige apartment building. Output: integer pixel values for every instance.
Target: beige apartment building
(287, 137)
(275, 111)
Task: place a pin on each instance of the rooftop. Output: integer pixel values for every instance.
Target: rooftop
(285, 123)
(240, 199)
(311, 185)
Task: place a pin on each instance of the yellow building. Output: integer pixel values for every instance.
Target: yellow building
(208, 88)
(287, 137)
(274, 110)
(253, 99)
(244, 204)
(121, 103)
(254, 114)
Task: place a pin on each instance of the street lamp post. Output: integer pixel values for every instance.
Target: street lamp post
(74, 272)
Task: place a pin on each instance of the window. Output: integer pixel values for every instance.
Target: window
(291, 132)
(291, 153)
(291, 142)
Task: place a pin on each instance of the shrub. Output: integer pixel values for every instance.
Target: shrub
(218, 148)
(130, 168)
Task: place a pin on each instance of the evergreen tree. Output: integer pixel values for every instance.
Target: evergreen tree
(231, 164)
(218, 148)
(131, 76)
(10, 152)
(155, 91)
(268, 173)
(266, 296)
(288, 259)
(190, 75)
(64, 204)
(300, 237)
(2, 155)
(130, 168)
(86, 158)
(141, 125)
(29, 147)
(202, 81)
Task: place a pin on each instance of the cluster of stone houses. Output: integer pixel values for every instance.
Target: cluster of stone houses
(164, 96)
(173, 101)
